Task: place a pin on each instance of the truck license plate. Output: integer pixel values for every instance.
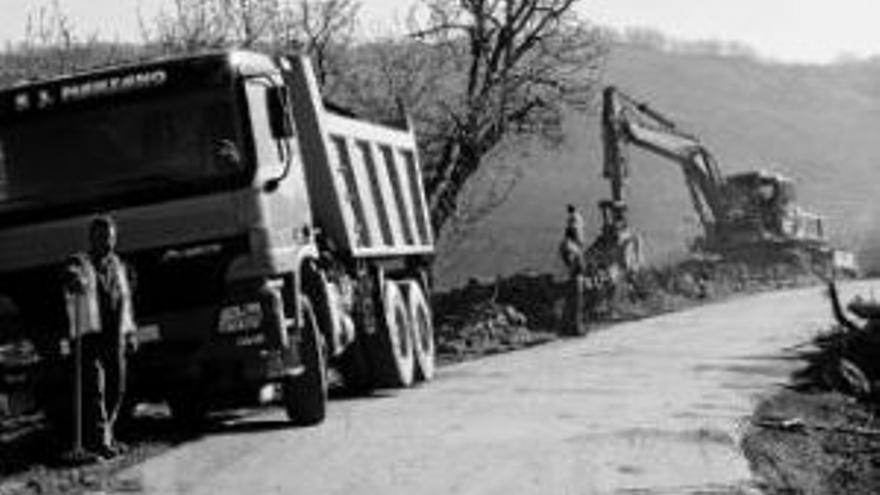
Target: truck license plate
(148, 333)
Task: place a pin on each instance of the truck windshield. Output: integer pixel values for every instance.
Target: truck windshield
(116, 148)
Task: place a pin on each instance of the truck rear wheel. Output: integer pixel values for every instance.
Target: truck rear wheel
(355, 368)
(305, 395)
(422, 332)
(392, 347)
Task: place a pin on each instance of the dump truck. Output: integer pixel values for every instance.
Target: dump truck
(272, 235)
(747, 215)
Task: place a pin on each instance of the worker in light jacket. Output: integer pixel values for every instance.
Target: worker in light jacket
(98, 294)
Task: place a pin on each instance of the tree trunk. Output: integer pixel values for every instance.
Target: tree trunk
(459, 161)
(458, 164)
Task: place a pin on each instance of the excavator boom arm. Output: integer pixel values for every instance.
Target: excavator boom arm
(626, 121)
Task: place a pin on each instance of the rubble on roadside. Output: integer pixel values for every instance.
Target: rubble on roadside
(836, 447)
(814, 443)
(491, 316)
(485, 328)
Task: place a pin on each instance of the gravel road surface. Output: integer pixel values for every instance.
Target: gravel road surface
(649, 407)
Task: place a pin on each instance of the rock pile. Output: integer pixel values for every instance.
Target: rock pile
(484, 328)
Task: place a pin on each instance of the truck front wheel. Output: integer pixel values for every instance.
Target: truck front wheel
(305, 395)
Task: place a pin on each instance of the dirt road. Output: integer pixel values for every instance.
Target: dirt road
(651, 407)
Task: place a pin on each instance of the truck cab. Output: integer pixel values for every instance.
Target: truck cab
(768, 200)
(202, 161)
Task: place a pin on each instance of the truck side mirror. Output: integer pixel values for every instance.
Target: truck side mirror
(278, 105)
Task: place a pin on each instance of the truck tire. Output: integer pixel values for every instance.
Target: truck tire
(305, 395)
(354, 365)
(422, 332)
(392, 346)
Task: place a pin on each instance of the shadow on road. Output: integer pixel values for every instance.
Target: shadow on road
(253, 426)
(150, 432)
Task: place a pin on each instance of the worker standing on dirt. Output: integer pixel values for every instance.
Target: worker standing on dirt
(571, 250)
(99, 300)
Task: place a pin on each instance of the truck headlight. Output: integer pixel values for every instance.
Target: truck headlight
(240, 317)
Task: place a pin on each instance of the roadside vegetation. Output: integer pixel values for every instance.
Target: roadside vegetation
(820, 434)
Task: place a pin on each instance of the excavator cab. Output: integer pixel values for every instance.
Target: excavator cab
(761, 189)
(755, 204)
(767, 203)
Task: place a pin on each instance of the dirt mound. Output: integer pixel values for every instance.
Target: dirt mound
(655, 290)
(538, 297)
(484, 328)
(485, 317)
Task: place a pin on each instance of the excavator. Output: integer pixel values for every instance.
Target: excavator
(747, 216)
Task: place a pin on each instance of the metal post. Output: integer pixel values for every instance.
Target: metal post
(573, 320)
(77, 454)
(77, 387)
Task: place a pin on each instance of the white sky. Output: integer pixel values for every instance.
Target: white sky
(789, 30)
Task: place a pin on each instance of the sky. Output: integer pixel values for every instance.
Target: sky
(811, 31)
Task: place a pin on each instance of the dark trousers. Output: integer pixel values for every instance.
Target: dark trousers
(573, 320)
(103, 387)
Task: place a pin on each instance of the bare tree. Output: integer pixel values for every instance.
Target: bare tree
(190, 26)
(511, 66)
(194, 25)
(322, 28)
(53, 45)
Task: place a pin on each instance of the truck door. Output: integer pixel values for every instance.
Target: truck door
(283, 201)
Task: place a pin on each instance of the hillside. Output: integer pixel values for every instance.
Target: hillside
(815, 124)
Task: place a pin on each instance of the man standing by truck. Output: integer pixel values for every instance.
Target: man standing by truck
(99, 304)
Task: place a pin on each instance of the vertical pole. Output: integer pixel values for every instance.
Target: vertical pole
(574, 305)
(77, 387)
(578, 327)
(77, 454)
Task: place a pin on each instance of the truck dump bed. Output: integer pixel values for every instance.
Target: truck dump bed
(364, 179)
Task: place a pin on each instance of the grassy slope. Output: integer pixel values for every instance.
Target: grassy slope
(816, 124)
